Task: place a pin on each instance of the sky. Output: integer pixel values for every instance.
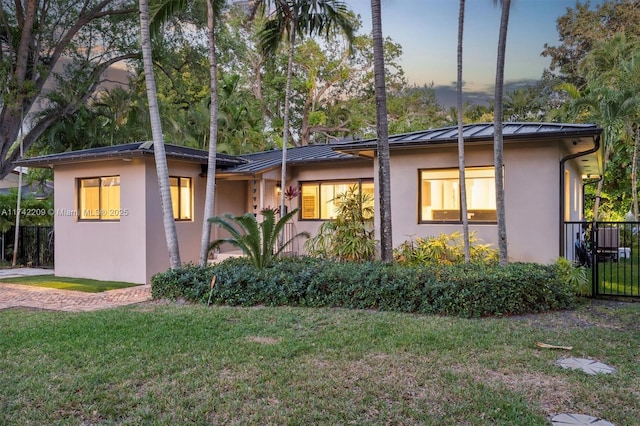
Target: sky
(427, 30)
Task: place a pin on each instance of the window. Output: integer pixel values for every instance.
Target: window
(318, 198)
(181, 197)
(440, 195)
(99, 198)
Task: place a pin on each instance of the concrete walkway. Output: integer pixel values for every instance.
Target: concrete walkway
(15, 295)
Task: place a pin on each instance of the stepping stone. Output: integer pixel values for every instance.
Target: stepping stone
(578, 419)
(589, 366)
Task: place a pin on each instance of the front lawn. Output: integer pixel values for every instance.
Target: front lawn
(66, 283)
(164, 363)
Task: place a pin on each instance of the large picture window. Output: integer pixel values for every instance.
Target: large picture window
(440, 195)
(181, 197)
(318, 199)
(99, 198)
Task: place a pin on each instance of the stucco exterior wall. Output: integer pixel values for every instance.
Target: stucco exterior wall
(188, 231)
(101, 250)
(531, 196)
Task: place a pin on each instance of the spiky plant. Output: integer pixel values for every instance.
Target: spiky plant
(259, 241)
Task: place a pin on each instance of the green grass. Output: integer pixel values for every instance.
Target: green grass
(619, 278)
(171, 364)
(65, 283)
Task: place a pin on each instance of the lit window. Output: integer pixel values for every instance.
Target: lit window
(99, 198)
(440, 195)
(181, 197)
(319, 199)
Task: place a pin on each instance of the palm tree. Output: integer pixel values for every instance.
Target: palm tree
(299, 17)
(214, 7)
(213, 13)
(382, 130)
(463, 184)
(503, 258)
(258, 241)
(162, 168)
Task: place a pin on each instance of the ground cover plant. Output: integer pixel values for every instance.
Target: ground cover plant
(65, 283)
(469, 290)
(166, 363)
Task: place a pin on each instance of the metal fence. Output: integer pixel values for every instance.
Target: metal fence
(610, 252)
(35, 246)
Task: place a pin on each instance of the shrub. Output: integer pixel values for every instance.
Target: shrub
(350, 237)
(469, 290)
(575, 276)
(260, 242)
(445, 249)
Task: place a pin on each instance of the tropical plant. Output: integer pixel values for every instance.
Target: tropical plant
(258, 241)
(350, 237)
(299, 17)
(445, 249)
(382, 132)
(574, 276)
(162, 168)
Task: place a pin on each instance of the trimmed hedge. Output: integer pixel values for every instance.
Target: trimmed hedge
(470, 290)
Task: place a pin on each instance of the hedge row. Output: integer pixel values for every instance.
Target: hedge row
(463, 290)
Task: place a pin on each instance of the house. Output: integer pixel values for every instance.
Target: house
(544, 167)
(108, 217)
(109, 225)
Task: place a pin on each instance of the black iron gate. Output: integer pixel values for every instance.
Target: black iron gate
(610, 251)
(35, 246)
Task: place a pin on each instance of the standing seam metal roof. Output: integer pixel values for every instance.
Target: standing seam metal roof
(266, 160)
(480, 131)
(135, 149)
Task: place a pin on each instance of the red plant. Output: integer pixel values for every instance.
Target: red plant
(291, 192)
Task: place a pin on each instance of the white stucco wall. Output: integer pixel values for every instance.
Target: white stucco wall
(531, 196)
(101, 250)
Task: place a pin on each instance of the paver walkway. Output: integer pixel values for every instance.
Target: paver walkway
(15, 295)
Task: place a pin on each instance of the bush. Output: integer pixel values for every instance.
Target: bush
(445, 249)
(469, 290)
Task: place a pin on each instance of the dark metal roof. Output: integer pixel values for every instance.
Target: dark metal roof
(479, 132)
(129, 150)
(266, 160)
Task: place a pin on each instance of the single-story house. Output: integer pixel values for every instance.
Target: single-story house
(108, 220)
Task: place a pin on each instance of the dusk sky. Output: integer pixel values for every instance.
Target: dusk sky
(428, 31)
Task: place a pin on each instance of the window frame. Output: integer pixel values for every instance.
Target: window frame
(178, 203)
(421, 220)
(101, 208)
(318, 184)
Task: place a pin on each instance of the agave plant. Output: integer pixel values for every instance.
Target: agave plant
(260, 241)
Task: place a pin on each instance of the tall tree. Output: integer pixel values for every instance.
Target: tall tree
(162, 168)
(582, 27)
(54, 54)
(461, 162)
(498, 142)
(299, 17)
(382, 130)
(214, 8)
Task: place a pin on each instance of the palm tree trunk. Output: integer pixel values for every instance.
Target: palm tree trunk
(503, 258)
(209, 199)
(384, 173)
(285, 115)
(162, 168)
(461, 162)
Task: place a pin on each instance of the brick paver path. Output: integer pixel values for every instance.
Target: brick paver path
(15, 295)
